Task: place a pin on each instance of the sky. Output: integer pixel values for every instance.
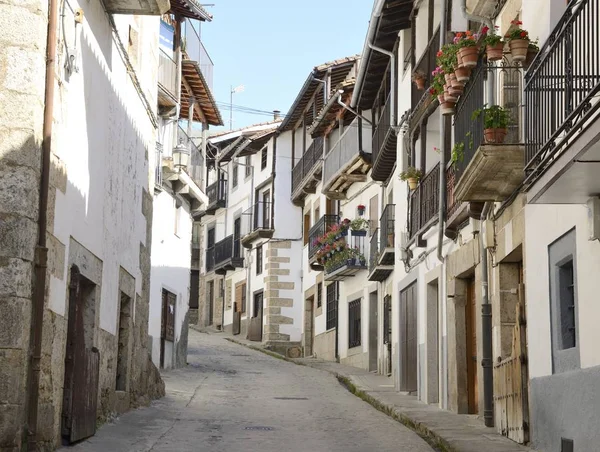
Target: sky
(270, 46)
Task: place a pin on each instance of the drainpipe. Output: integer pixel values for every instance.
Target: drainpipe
(442, 187)
(472, 17)
(392, 82)
(41, 250)
(325, 90)
(351, 110)
(486, 326)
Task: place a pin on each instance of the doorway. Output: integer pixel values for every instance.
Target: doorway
(210, 298)
(82, 362)
(167, 328)
(433, 345)
(471, 337)
(408, 338)
(123, 345)
(373, 331)
(255, 329)
(309, 326)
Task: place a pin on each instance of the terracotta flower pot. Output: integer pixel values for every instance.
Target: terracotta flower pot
(455, 91)
(459, 61)
(531, 54)
(495, 53)
(448, 97)
(420, 83)
(441, 98)
(463, 74)
(448, 108)
(495, 136)
(412, 182)
(518, 49)
(470, 55)
(458, 84)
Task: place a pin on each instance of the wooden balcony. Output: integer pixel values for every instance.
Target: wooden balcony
(217, 196)
(227, 255)
(421, 99)
(488, 172)
(381, 268)
(257, 222)
(136, 7)
(347, 162)
(424, 203)
(384, 145)
(307, 173)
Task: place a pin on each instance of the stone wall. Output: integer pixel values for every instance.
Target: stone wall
(277, 279)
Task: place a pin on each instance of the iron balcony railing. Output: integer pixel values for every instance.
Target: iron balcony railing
(425, 66)
(346, 148)
(359, 245)
(158, 166)
(210, 258)
(469, 127)
(374, 250)
(319, 229)
(423, 203)
(196, 51)
(167, 73)
(309, 160)
(228, 248)
(257, 217)
(383, 128)
(196, 165)
(217, 192)
(562, 84)
(387, 227)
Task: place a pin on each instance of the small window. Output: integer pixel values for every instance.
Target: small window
(259, 259)
(566, 289)
(319, 295)
(263, 158)
(332, 301)
(248, 166)
(234, 176)
(354, 324)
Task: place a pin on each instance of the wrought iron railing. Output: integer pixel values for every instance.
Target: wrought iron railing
(358, 245)
(374, 250)
(387, 227)
(217, 191)
(210, 258)
(158, 166)
(383, 128)
(562, 84)
(196, 165)
(167, 73)
(469, 116)
(309, 160)
(197, 52)
(347, 147)
(424, 201)
(319, 229)
(259, 216)
(354, 323)
(425, 66)
(224, 250)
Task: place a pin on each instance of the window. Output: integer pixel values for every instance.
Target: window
(566, 287)
(259, 259)
(319, 295)
(266, 207)
(234, 176)
(237, 233)
(248, 163)
(332, 294)
(354, 323)
(263, 158)
(387, 314)
(258, 304)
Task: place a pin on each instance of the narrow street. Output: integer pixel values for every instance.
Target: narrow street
(230, 398)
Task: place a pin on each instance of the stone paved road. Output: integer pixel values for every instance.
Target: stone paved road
(231, 399)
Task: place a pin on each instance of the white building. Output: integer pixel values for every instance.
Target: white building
(184, 102)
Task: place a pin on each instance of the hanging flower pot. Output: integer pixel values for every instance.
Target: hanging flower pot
(413, 182)
(463, 74)
(455, 91)
(459, 60)
(361, 210)
(458, 84)
(495, 136)
(495, 52)
(449, 78)
(420, 83)
(448, 108)
(470, 55)
(532, 51)
(518, 49)
(441, 98)
(448, 97)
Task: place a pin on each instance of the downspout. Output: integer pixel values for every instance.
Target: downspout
(392, 82)
(351, 110)
(486, 326)
(41, 250)
(442, 187)
(472, 17)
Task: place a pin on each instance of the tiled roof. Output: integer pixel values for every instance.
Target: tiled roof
(329, 113)
(192, 76)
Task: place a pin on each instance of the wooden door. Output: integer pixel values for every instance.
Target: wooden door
(210, 295)
(167, 322)
(408, 338)
(471, 332)
(82, 370)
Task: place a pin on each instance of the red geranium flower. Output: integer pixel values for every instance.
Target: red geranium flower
(484, 30)
(439, 54)
(460, 34)
(523, 34)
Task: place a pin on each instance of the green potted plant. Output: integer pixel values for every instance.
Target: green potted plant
(494, 44)
(458, 152)
(359, 226)
(412, 176)
(532, 50)
(419, 80)
(495, 123)
(518, 41)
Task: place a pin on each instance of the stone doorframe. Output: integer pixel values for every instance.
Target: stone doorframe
(310, 312)
(433, 353)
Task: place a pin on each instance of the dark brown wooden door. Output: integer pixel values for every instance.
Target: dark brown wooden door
(408, 338)
(471, 332)
(82, 366)
(167, 324)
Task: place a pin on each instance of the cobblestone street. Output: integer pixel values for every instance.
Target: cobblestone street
(230, 398)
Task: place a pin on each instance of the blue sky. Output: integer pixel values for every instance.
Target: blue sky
(270, 46)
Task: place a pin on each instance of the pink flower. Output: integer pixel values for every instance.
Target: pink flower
(484, 30)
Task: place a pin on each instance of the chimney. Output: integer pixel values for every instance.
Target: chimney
(276, 114)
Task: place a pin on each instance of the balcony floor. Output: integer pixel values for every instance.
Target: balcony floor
(344, 272)
(228, 265)
(381, 272)
(214, 206)
(354, 171)
(493, 174)
(248, 239)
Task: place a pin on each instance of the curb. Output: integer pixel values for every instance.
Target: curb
(429, 436)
